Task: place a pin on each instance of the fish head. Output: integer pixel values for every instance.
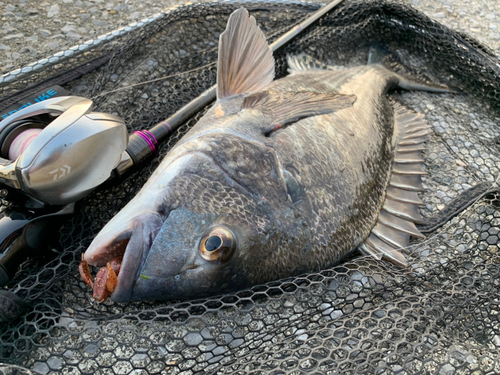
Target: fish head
(201, 225)
(195, 254)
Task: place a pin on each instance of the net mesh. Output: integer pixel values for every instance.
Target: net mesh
(441, 316)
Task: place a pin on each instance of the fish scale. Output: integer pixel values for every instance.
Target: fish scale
(285, 176)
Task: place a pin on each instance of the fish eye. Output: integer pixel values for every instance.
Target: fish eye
(217, 244)
(213, 243)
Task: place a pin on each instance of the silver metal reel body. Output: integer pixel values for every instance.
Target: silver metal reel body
(72, 155)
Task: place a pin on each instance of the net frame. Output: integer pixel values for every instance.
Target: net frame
(399, 321)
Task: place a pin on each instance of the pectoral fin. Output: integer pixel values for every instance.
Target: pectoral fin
(285, 108)
(246, 62)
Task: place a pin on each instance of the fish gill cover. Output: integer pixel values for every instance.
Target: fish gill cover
(362, 316)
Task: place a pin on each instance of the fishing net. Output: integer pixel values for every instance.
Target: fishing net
(439, 316)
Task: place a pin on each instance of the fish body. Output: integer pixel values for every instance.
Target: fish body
(278, 178)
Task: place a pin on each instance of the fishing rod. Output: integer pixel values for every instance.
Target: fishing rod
(56, 151)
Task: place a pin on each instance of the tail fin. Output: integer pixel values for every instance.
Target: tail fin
(408, 80)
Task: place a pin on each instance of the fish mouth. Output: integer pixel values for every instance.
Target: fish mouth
(130, 248)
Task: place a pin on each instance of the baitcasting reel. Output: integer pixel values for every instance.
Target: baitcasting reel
(57, 151)
(52, 154)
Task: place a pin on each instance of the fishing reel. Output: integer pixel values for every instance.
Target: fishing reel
(57, 151)
(52, 154)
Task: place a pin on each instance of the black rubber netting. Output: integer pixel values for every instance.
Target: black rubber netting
(441, 316)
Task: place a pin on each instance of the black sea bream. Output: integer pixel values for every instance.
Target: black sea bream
(278, 178)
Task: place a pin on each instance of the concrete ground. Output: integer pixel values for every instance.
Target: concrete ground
(33, 29)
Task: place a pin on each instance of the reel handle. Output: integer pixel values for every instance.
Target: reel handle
(25, 233)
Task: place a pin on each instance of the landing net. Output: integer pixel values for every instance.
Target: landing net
(440, 316)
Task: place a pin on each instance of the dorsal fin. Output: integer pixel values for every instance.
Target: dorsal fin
(303, 62)
(246, 62)
(396, 222)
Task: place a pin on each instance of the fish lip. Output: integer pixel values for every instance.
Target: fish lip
(122, 290)
(135, 256)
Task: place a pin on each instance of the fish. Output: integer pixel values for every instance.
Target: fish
(279, 178)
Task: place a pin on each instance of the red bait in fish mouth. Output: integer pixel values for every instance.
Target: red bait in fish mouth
(120, 257)
(106, 279)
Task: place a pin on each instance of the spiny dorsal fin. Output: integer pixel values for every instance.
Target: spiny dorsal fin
(303, 62)
(396, 222)
(246, 62)
(285, 108)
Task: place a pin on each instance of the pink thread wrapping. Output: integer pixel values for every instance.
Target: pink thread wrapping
(147, 139)
(152, 136)
(166, 123)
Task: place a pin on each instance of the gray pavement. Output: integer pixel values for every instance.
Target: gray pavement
(33, 29)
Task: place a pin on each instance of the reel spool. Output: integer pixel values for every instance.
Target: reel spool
(21, 141)
(16, 137)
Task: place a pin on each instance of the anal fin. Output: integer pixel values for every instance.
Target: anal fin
(399, 224)
(404, 196)
(390, 236)
(407, 182)
(377, 246)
